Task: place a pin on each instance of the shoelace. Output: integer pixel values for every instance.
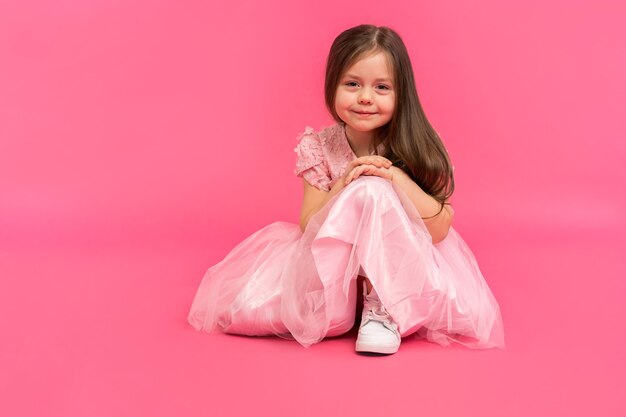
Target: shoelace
(375, 310)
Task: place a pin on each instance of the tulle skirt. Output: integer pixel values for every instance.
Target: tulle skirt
(302, 285)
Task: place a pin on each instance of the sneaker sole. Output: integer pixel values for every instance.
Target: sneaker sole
(371, 347)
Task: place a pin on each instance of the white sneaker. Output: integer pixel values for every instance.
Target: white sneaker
(377, 332)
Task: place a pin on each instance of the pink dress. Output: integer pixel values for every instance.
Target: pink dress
(303, 286)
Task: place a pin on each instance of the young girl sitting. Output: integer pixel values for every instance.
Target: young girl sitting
(375, 210)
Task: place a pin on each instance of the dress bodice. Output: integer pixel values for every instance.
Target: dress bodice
(324, 155)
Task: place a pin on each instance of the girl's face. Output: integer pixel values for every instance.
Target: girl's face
(365, 97)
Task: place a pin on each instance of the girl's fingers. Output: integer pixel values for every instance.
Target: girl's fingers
(353, 174)
(381, 161)
(356, 172)
(350, 175)
(371, 160)
(368, 170)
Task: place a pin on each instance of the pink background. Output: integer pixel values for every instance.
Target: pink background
(141, 140)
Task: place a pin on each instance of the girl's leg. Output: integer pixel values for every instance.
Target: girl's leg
(368, 284)
(368, 224)
(366, 281)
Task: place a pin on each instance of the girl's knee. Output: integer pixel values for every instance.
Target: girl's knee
(371, 184)
(371, 187)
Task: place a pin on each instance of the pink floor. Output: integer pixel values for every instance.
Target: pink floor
(102, 331)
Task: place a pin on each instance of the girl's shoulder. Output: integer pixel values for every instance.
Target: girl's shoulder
(320, 146)
(327, 137)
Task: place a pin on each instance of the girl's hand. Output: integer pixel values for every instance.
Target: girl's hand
(364, 161)
(382, 172)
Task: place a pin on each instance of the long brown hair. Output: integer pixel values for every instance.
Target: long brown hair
(410, 141)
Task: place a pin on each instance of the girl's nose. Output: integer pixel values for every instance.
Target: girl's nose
(365, 99)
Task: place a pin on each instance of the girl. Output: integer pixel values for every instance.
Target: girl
(375, 210)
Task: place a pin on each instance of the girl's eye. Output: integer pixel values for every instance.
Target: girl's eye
(352, 83)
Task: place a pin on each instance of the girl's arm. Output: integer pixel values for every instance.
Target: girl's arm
(437, 226)
(314, 200)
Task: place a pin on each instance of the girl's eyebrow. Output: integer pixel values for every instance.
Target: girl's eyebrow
(358, 78)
